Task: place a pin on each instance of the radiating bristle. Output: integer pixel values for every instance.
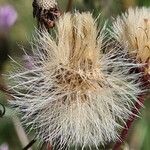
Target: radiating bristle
(75, 95)
(132, 29)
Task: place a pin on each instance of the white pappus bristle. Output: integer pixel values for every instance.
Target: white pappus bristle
(75, 95)
(132, 29)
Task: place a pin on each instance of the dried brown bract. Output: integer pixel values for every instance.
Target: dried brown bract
(46, 13)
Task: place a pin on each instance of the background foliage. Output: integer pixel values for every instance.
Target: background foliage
(21, 33)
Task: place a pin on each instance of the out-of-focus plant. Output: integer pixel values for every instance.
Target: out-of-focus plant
(8, 17)
(4, 147)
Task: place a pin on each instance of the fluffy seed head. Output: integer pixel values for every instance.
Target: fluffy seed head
(46, 4)
(132, 29)
(75, 94)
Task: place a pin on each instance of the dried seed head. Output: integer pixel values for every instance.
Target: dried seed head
(75, 94)
(46, 4)
(132, 29)
(46, 12)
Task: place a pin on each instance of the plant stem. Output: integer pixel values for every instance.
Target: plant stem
(29, 145)
(20, 132)
(69, 5)
(128, 124)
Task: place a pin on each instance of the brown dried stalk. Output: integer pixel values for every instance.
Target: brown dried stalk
(69, 5)
(29, 145)
(129, 123)
(46, 17)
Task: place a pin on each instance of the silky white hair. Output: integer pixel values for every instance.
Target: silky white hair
(75, 95)
(132, 29)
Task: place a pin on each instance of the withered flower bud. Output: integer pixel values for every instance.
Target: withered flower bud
(46, 12)
(132, 30)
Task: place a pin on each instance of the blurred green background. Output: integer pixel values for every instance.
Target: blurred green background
(11, 133)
